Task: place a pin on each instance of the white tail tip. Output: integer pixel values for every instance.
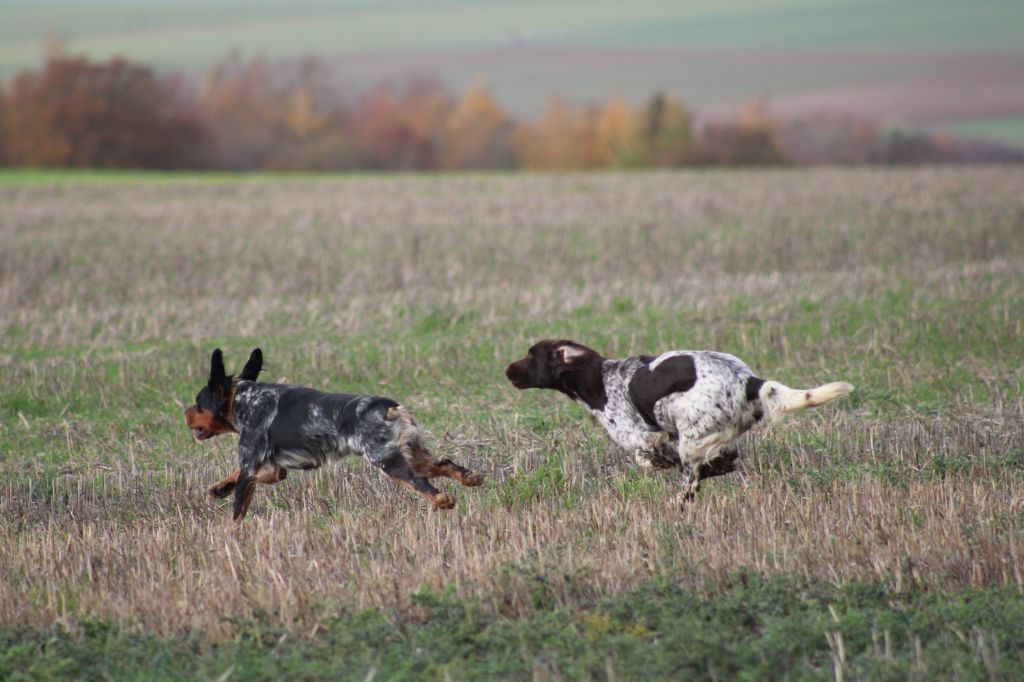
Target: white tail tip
(829, 392)
(780, 400)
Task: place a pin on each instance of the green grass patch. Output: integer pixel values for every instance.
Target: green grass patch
(542, 482)
(756, 629)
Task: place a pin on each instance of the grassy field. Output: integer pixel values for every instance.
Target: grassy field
(881, 538)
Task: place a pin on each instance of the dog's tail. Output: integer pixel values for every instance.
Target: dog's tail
(780, 400)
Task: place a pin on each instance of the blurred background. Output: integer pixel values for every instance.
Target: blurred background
(482, 84)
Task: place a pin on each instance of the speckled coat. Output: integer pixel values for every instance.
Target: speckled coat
(680, 409)
(701, 420)
(282, 427)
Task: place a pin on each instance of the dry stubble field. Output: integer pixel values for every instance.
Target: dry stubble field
(907, 283)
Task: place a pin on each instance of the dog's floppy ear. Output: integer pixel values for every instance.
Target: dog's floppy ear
(569, 351)
(253, 366)
(217, 374)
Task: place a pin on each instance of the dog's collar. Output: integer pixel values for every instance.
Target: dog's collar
(229, 415)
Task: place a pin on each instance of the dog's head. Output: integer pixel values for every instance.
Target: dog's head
(551, 364)
(211, 415)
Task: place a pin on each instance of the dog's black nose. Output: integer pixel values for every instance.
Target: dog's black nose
(516, 374)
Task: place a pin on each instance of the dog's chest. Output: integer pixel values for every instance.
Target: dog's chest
(619, 417)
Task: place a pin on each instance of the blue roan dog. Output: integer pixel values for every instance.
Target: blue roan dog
(283, 427)
(680, 409)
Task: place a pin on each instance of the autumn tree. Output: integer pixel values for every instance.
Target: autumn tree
(477, 133)
(113, 114)
(401, 128)
(753, 139)
(244, 111)
(310, 130)
(620, 137)
(428, 105)
(563, 138)
(827, 137)
(667, 131)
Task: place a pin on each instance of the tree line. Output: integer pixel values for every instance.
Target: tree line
(252, 114)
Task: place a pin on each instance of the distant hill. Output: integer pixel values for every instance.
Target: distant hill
(924, 62)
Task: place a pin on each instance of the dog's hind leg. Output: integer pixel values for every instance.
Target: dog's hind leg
(724, 464)
(425, 465)
(698, 453)
(420, 459)
(450, 469)
(271, 473)
(400, 472)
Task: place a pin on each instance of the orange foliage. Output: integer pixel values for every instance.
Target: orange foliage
(99, 114)
(400, 129)
(255, 114)
(562, 139)
(477, 132)
(619, 135)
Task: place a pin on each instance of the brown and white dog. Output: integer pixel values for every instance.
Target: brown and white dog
(680, 409)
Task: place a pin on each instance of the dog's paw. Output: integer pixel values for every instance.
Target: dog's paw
(473, 479)
(682, 499)
(219, 492)
(444, 501)
(689, 492)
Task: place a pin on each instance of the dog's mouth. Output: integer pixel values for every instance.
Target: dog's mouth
(201, 424)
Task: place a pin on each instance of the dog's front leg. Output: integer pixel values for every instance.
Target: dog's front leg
(656, 453)
(253, 465)
(245, 486)
(689, 464)
(224, 486)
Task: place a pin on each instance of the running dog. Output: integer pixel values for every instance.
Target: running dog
(681, 409)
(282, 427)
